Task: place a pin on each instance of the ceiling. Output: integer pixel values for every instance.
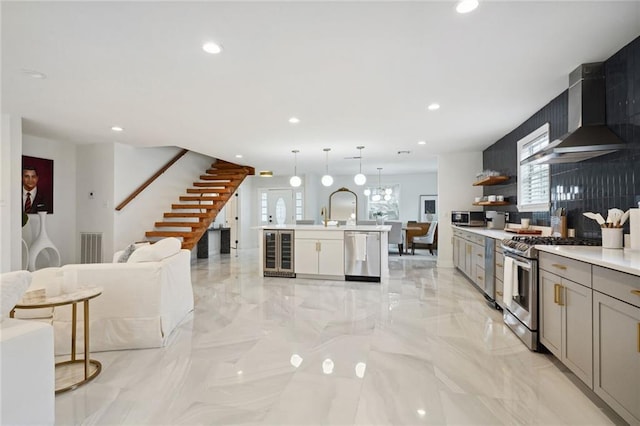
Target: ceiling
(354, 73)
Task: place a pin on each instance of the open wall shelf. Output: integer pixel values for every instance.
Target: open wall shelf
(491, 180)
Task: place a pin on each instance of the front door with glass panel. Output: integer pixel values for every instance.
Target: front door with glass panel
(280, 207)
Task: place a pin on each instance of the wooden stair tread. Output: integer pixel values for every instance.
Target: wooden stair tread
(213, 190)
(203, 198)
(177, 224)
(195, 206)
(224, 172)
(167, 234)
(198, 215)
(215, 183)
(220, 176)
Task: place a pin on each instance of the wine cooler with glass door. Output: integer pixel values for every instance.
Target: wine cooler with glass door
(278, 253)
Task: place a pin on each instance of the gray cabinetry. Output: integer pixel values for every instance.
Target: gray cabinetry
(616, 336)
(473, 255)
(499, 275)
(565, 313)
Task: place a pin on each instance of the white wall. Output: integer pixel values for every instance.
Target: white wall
(10, 194)
(61, 224)
(456, 174)
(133, 167)
(95, 173)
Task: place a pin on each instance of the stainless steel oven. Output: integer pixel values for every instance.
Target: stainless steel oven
(521, 271)
(521, 297)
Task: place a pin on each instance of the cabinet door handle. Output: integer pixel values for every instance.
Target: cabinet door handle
(500, 265)
(560, 295)
(480, 278)
(559, 266)
(636, 292)
(499, 293)
(317, 246)
(557, 294)
(479, 255)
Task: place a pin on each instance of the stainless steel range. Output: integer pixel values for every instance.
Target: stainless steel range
(521, 283)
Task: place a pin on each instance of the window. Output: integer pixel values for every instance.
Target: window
(533, 179)
(264, 216)
(299, 206)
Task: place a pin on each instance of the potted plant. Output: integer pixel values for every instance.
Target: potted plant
(379, 216)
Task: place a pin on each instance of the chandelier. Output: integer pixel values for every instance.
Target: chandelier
(380, 192)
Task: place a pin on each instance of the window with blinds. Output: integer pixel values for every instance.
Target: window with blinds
(533, 179)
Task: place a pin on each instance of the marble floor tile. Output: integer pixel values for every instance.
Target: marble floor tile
(422, 347)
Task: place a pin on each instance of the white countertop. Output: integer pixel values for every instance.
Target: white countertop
(621, 260)
(497, 234)
(341, 228)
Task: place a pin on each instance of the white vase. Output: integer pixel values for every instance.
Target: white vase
(43, 247)
(379, 220)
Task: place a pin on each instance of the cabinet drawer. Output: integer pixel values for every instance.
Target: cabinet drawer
(499, 291)
(478, 255)
(573, 270)
(319, 235)
(498, 247)
(499, 271)
(620, 285)
(477, 239)
(479, 278)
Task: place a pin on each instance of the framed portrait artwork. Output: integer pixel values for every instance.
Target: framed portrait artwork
(37, 185)
(428, 208)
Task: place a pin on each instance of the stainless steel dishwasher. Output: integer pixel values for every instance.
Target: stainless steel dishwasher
(362, 256)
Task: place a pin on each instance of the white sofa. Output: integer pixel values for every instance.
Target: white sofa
(27, 377)
(142, 302)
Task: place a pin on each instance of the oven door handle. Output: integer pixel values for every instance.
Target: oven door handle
(523, 265)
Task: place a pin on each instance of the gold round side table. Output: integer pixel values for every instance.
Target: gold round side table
(77, 371)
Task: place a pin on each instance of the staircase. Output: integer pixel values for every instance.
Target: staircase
(191, 217)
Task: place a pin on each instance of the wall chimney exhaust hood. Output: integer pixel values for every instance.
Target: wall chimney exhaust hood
(588, 135)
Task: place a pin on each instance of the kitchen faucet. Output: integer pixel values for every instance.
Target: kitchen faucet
(323, 213)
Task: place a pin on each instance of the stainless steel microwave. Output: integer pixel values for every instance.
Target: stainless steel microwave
(467, 218)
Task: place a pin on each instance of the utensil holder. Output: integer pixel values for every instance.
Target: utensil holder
(612, 238)
(559, 226)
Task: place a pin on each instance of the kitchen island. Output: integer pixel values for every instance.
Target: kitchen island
(316, 251)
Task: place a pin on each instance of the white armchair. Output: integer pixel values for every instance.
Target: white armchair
(395, 235)
(142, 302)
(430, 240)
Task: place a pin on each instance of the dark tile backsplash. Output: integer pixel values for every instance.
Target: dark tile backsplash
(595, 185)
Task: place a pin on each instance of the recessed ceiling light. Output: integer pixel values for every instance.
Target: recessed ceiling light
(117, 129)
(211, 47)
(466, 6)
(294, 120)
(422, 142)
(238, 155)
(433, 107)
(34, 74)
(266, 173)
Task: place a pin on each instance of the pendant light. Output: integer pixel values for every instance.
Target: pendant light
(376, 194)
(327, 180)
(360, 179)
(295, 180)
